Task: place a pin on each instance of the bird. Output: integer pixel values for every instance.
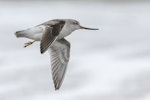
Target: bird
(51, 35)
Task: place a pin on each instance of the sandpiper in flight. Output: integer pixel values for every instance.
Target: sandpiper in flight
(51, 36)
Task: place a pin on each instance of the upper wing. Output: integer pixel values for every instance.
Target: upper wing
(50, 34)
(60, 53)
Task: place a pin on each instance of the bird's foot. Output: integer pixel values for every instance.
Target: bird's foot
(28, 43)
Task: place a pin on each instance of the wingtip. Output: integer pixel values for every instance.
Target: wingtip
(42, 50)
(56, 88)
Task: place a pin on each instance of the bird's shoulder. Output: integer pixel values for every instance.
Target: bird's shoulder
(54, 22)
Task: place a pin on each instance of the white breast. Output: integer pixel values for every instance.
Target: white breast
(64, 32)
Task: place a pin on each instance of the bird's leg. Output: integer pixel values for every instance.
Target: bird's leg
(28, 43)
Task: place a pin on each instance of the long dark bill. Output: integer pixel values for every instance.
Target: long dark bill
(89, 28)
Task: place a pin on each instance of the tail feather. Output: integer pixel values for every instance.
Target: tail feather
(33, 33)
(19, 34)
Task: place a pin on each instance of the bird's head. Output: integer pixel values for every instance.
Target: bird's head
(75, 25)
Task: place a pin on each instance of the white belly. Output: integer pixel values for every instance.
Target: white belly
(34, 33)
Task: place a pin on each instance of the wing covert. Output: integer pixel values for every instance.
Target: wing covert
(50, 34)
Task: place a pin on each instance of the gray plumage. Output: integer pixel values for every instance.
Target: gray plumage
(60, 53)
(51, 36)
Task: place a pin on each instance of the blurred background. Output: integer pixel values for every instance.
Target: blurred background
(112, 63)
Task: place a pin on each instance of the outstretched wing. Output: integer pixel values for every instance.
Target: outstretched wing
(50, 34)
(60, 53)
